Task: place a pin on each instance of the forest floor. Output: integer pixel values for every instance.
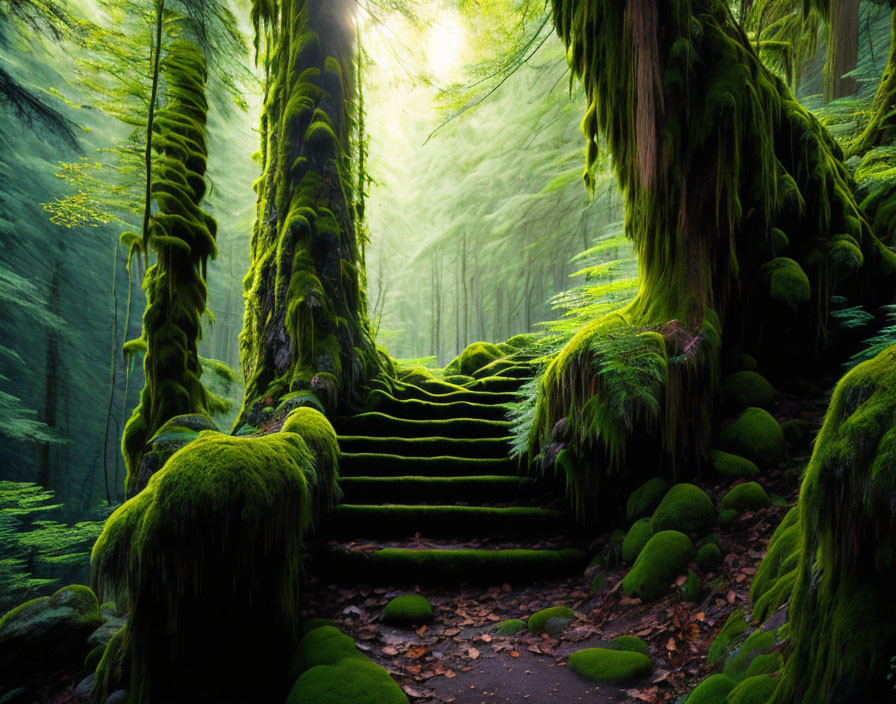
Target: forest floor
(459, 658)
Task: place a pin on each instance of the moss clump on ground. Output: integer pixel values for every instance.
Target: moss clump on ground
(207, 560)
(690, 590)
(476, 356)
(713, 690)
(755, 690)
(539, 620)
(776, 575)
(757, 436)
(408, 610)
(665, 556)
(643, 501)
(749, 496)
(758, 643)
(510, 627)
(745, 389)
(796, 432)
(612, 666)
(636, 539)
(686, 508)
(842, 612)
(333, 671)
(708, 557)
(632, 644)
(733, 628)
(732, 466)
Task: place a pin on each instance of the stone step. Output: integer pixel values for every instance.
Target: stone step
(388, 465)
(438, 490)
(475, 448)
(422, 409)
(382, 424)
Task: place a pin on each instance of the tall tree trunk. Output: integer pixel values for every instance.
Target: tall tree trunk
(843, 49)
(45, 475)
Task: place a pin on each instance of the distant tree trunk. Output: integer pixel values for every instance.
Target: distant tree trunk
(437, 283)
(45, 475)
(843, 49)
(465, 339)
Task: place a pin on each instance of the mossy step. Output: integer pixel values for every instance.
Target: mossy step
(427, 446)
(375, 423)
(418, 409)
(509, 371)
(479, 395)
(390, 465)
(397, 520)
(496, 384)
(416, 489)
(407, 566)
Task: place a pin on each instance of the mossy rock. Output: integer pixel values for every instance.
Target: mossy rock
(709, 557)
(324, 645)
(523, 341)
(747, 363)
(758, 643)
(728, 518)
(510, 627)
(787, 282)
(611, 666)
(314, 623)
(734, 626)
(636, 539)
(665, 556)
(797, 432)
(690, 590)
(732, 466)
(47, 634)
(755, 690)
(408, 610)
(744, 389)
(632, 644)
(767, 664)
(643, 501)
(685, 508)
(755, 435)
(713, 690)
(538, 621)
(749, 496)
(476, 356)
(776, 574)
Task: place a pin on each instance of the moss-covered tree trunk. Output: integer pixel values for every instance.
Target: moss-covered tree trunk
(183, 238)
(305, 327)
(881, 127)
(843, 48)
(744, 222)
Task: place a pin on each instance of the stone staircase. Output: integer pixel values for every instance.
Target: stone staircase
(431, 494)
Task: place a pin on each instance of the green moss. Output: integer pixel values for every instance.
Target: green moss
(732, 629)
(522, 342)
(612, 666)
(617, 537)
(92, 659)
(765, 665)
(728, 518)
(747, 362)
(407, 610)
(476, 356)
(796, 432)
(749, 496)
(324, 645)
(731, 466)
(690, 590)
(774, 579)
(787, 282)
(713, 690)
(744, 389)
(686, 508)
(510, 627)
(207, 559)
(755, 435)
(665, 556)
(632, 644)
(708, 557)
(755, 690)
(538, 621)
(643, 501)
(313, 623)
(758, 643)
(636, 539)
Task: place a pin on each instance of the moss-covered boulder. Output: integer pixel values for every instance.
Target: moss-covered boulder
(690, 590)
(797, 433)
(612, 666)
(47, 634)
(685, 508)
(636, 539)
(745, 389)
(755, 435)
(633, 644)
(731, 630)
(749, 496)
(207, 561)
(708, 557)
(665, 556)
(408, 610)
(510, 627)
(331, 670)
(755, 690)
(787, 282)
(476, 356)
(731, 466)
(551, 620)
(643, 501)
(758, 643)
(172, 436)
(713, 690)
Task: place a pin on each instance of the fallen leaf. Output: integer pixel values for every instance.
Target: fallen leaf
(514, 654)
(473, 653)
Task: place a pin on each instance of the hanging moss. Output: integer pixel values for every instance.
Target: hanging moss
(842, 614)
(305, 324)
(207, 562)
(712, 153)
(183, 239)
